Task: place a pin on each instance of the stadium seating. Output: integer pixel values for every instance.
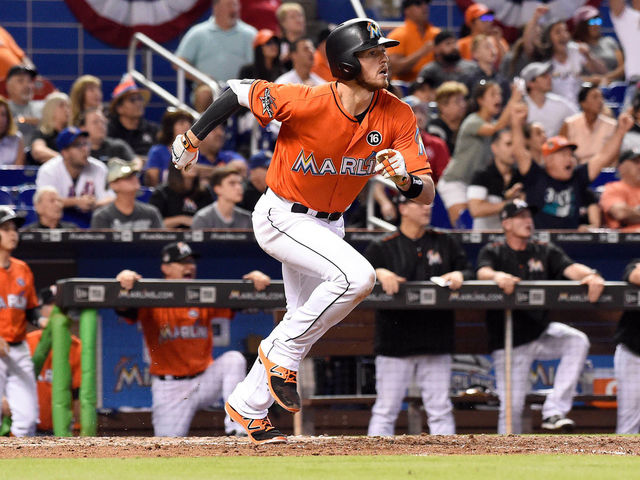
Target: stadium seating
(144, 194)
(16, 175)
(25, 195)
(6, 196)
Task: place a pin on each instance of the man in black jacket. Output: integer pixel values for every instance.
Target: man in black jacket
(415, 342)
(534, 335)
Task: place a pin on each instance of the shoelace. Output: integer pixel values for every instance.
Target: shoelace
(265, 424)
(291, 377)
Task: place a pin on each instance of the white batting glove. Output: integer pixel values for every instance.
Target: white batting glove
(390, 164)
(183, 153)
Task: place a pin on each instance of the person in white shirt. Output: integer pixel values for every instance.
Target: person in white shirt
(79, 179)
(626, 23)
(302, 56)
(545, 107)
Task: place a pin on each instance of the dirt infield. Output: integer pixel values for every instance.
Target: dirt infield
(101, 447)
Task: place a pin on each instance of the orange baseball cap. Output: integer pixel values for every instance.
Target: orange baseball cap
(475, 11)
(556, 143)
(263, 36)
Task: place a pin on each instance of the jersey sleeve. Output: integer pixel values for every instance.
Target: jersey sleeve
(630, 268)
(408, 141)
(270, 101)
(558, 261)
(488, 257)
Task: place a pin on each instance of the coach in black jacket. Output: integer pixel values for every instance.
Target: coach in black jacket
(534, 336)
(415, 342)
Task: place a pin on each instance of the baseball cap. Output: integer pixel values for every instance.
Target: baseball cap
(585, 13)
(263, 37)
(260, 159)
(21, 69)
(534, 70)
(628, 155)
(7, 214)
(556, 143)
(69, 135)
(474, 11)
(176, 251)
(119, 168)
(514, 207)
(127, 86)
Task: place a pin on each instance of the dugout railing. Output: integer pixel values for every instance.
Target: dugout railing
(88, 294)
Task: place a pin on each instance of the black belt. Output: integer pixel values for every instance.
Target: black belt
(14, 344)
(299, 208)
(173, 377)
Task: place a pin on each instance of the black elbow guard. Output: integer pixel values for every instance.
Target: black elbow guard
(218, 112)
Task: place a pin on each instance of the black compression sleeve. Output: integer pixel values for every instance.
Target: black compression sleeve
(222, 108)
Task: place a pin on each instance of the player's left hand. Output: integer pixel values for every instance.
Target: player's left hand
(390, 164)
(260, 280)
(128, 278)
(595, 284)
(183, 154)
(454, 278)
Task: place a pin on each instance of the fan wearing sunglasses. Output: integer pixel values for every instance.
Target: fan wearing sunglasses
(587, 30)
(480, 21)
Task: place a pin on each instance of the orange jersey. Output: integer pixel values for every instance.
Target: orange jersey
(180, 340)
(46, 375)
(411, 40)
(464, 47)
(323, 156)
(17, 294)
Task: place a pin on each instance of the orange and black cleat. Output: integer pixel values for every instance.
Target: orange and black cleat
(283, 384)
(259, 430)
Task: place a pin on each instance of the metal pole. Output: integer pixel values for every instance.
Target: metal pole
(508, 349)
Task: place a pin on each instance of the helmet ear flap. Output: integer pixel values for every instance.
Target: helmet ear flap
(349, 70)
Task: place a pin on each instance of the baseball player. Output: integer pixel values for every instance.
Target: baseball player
(179, 340)
(333, 138)
(413, 343)
(626, 362)
(18, 303)
(534, 336)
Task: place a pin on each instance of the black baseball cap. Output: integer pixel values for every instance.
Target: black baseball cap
(514, 207)
(628, 155)
(21, 69)
(9, 214)
(177, 251)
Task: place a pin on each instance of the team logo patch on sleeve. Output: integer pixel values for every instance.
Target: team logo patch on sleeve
(268, 103)
(374, 138)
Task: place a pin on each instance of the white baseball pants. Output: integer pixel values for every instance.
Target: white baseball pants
(561, 341)
(18, 384)
(393, 376)
(627, 370)
(324, 279)
(175, 402)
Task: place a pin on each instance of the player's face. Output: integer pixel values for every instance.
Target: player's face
(375, 69)
(184, 269)
(561, 164)
(8, 236)
(230, 189)
(49, 206)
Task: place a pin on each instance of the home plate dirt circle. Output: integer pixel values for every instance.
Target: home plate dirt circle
(122, 447)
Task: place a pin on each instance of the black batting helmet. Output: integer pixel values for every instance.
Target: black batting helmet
(7, 214)
(347, 39)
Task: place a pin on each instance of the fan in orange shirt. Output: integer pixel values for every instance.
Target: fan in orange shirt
(480, 20)
(333, 138)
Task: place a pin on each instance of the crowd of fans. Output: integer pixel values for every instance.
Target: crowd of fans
(501, 123)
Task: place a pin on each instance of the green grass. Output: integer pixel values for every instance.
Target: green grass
(511, 467)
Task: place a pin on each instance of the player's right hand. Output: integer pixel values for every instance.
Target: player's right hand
(506, 282)
(128, 278)
(391, 165)
(183, 153)
(389, 280)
